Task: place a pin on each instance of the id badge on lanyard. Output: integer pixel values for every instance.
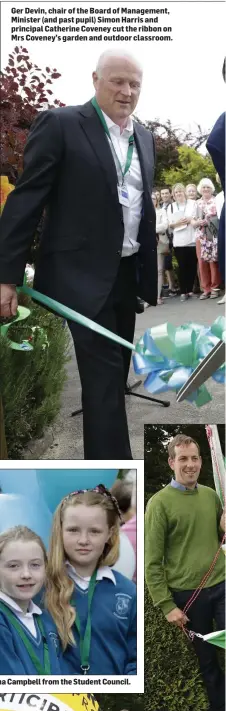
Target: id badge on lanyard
(123, 195)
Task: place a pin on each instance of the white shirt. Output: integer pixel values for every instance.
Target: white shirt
(126, 563)
(25, 617)
(83, 582)
(132, 180)
(161, 220)
(183, 236)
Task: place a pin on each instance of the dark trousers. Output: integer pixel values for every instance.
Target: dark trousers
(221, 244)
(209, 606)
(103, 368)
(187, 263)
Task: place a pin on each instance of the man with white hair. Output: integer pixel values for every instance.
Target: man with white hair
(91, 167)
(206, 240)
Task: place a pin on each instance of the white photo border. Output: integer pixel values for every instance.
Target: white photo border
(133, 684)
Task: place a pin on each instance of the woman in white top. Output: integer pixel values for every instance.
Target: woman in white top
(179, 216)
(162, 242)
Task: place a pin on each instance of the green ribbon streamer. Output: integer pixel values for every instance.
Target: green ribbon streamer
(166, 354)
(72, 315)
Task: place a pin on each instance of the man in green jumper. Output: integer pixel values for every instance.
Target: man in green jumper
(184, 525)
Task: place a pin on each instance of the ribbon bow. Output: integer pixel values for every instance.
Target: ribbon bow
(37, 333)
(22, 313)
(168, 355)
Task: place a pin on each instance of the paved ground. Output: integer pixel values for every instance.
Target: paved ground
(67, 440)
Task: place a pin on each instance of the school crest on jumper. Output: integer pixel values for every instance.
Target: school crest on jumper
(122, 605)
(55, 640)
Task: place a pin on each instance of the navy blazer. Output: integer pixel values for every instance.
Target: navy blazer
(70, 172)
(216, 147)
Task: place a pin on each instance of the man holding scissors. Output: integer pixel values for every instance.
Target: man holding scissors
(91, 168)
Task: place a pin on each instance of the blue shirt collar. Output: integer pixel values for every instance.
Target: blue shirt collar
(177, 485)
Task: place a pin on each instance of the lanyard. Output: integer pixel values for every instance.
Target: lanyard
(85, 641)
(179, 206)
(130, 142)
(37, 664)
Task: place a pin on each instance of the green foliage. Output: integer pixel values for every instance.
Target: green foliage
(171, 671)
(120, 702)
(32, 381)
(172, 146)
(191, 167)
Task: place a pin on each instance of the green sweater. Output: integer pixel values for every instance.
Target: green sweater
(181, 539)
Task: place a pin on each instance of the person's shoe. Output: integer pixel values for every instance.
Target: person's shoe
(139, 305)
(223, 300)
(205, 295)
(184, 297)
(173, 292)
(190, 294)
(160, 302)
(214, 293)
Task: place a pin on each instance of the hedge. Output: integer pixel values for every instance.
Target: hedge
(117, 702)
(173, 682)
(32, 381)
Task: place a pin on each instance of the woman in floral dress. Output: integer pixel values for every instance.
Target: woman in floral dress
(207, 252)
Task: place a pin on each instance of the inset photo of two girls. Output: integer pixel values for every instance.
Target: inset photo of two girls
(68, 574)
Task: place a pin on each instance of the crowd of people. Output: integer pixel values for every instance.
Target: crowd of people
(187, 221)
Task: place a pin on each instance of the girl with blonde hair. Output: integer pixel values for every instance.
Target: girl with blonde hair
(94, 607)
(29, 641)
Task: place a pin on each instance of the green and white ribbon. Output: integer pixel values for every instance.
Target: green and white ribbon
(217, 638)
(72, 315)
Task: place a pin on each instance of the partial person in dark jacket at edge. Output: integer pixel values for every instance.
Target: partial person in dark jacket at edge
(97, 254)
(216, 148)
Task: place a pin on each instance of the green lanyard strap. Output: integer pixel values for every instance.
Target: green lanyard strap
(37, 664)
(85, 642)
(130, 144)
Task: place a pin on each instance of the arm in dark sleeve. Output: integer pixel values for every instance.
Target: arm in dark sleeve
(25, 204)
(154, 149)
(10, 663)
(216, 147)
